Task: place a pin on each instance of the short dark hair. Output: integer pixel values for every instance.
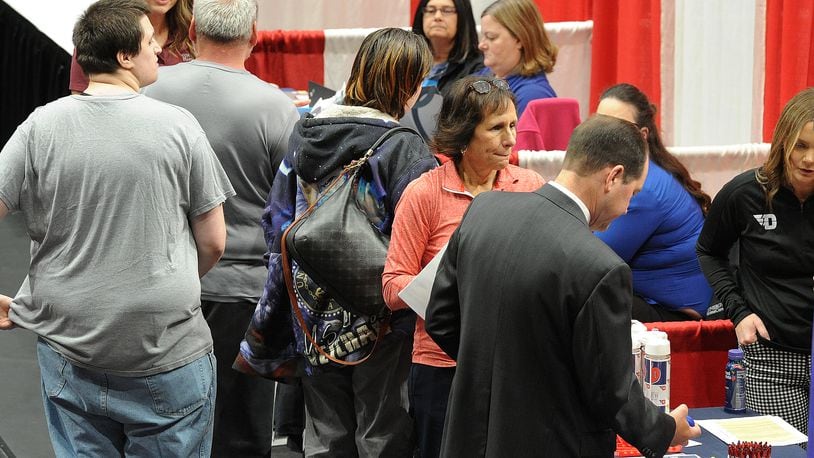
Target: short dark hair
(603, 141)
(388, 70)
(463, 109)
(105, 29)
(466, 35)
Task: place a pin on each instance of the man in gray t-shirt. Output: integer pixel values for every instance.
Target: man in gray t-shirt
(122, 197)
(248, 122)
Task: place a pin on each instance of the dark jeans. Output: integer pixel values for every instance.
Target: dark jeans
(429, 393)
(244, 405)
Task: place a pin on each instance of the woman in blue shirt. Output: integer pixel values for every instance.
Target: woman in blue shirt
(516, 48)
(657, 236)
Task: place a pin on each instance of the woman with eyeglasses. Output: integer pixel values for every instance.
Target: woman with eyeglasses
(657, 235)
(516, 48)
(449, 28)
(476, 129)
(768, 213)
(170, 19)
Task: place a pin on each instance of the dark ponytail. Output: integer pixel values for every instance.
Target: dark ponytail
(645, 117)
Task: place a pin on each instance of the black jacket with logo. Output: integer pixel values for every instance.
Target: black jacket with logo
(773, 278)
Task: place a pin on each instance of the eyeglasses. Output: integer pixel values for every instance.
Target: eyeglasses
(445, 10)
(485, 86)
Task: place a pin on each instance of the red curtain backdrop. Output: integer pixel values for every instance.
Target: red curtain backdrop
(561, 11)
(289, 58)
(789, 58)
(626, 46)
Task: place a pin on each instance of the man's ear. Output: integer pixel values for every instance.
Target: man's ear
(253, 37)
(125, 61)
(615, 176)
(193, 36)
(645, 132)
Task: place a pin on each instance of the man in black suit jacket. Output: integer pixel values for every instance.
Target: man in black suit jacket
(536, 311)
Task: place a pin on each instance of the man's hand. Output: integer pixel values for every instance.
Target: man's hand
(684, 432)
(5, 305)
(748, 329)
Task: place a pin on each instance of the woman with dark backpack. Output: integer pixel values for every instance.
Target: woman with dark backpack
(354, 366)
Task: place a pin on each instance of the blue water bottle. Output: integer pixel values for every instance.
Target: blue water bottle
(735, 382)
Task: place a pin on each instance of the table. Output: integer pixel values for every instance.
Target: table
(711, 446)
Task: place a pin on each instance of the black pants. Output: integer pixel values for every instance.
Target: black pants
(245, 404)
(289, 410)
(648, 313)
(429, 392)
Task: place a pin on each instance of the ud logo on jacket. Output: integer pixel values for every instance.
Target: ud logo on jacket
(768, 221)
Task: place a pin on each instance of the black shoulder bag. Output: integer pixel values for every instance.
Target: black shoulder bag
(336, 244)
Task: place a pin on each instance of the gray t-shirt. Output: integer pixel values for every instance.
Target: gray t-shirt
(248, 123)
(107, 186)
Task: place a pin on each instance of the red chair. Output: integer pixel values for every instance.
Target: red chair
(546, 125)
(698, 355)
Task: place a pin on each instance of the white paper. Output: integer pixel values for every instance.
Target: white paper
(765, 428)
(417, 293)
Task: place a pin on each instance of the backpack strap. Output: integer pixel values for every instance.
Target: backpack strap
(356, 164)
(353, 168)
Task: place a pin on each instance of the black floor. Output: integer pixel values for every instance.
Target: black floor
(23, 433)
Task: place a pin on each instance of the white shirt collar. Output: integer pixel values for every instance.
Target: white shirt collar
(573, 197)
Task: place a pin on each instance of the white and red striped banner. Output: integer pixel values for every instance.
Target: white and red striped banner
(720, 70)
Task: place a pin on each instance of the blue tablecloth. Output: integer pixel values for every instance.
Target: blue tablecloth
(711, 446)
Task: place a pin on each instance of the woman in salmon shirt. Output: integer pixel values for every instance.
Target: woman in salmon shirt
(170, 19)
(476, 129)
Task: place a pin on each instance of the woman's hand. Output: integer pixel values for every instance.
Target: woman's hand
(5, 305)
(748, 329)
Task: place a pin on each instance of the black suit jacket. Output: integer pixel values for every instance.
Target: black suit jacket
(536, 311)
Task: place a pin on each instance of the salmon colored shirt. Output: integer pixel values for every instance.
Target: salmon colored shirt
(427, 214)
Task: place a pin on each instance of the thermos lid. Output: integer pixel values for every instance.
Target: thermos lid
(657, 347)
(735, 353)
(637, 327)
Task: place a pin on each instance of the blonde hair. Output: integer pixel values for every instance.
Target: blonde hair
(798, 112)
(523, 20)
(388, 70)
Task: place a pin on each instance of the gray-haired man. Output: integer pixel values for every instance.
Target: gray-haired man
(248, 123)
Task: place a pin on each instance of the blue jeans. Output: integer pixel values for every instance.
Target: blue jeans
(91, 413)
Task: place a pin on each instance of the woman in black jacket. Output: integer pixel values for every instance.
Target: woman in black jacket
(769, 213)
(449, 28)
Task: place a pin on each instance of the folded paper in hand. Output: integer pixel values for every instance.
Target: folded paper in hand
(417, 293)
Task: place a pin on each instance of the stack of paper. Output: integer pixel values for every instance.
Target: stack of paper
(765, 428)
